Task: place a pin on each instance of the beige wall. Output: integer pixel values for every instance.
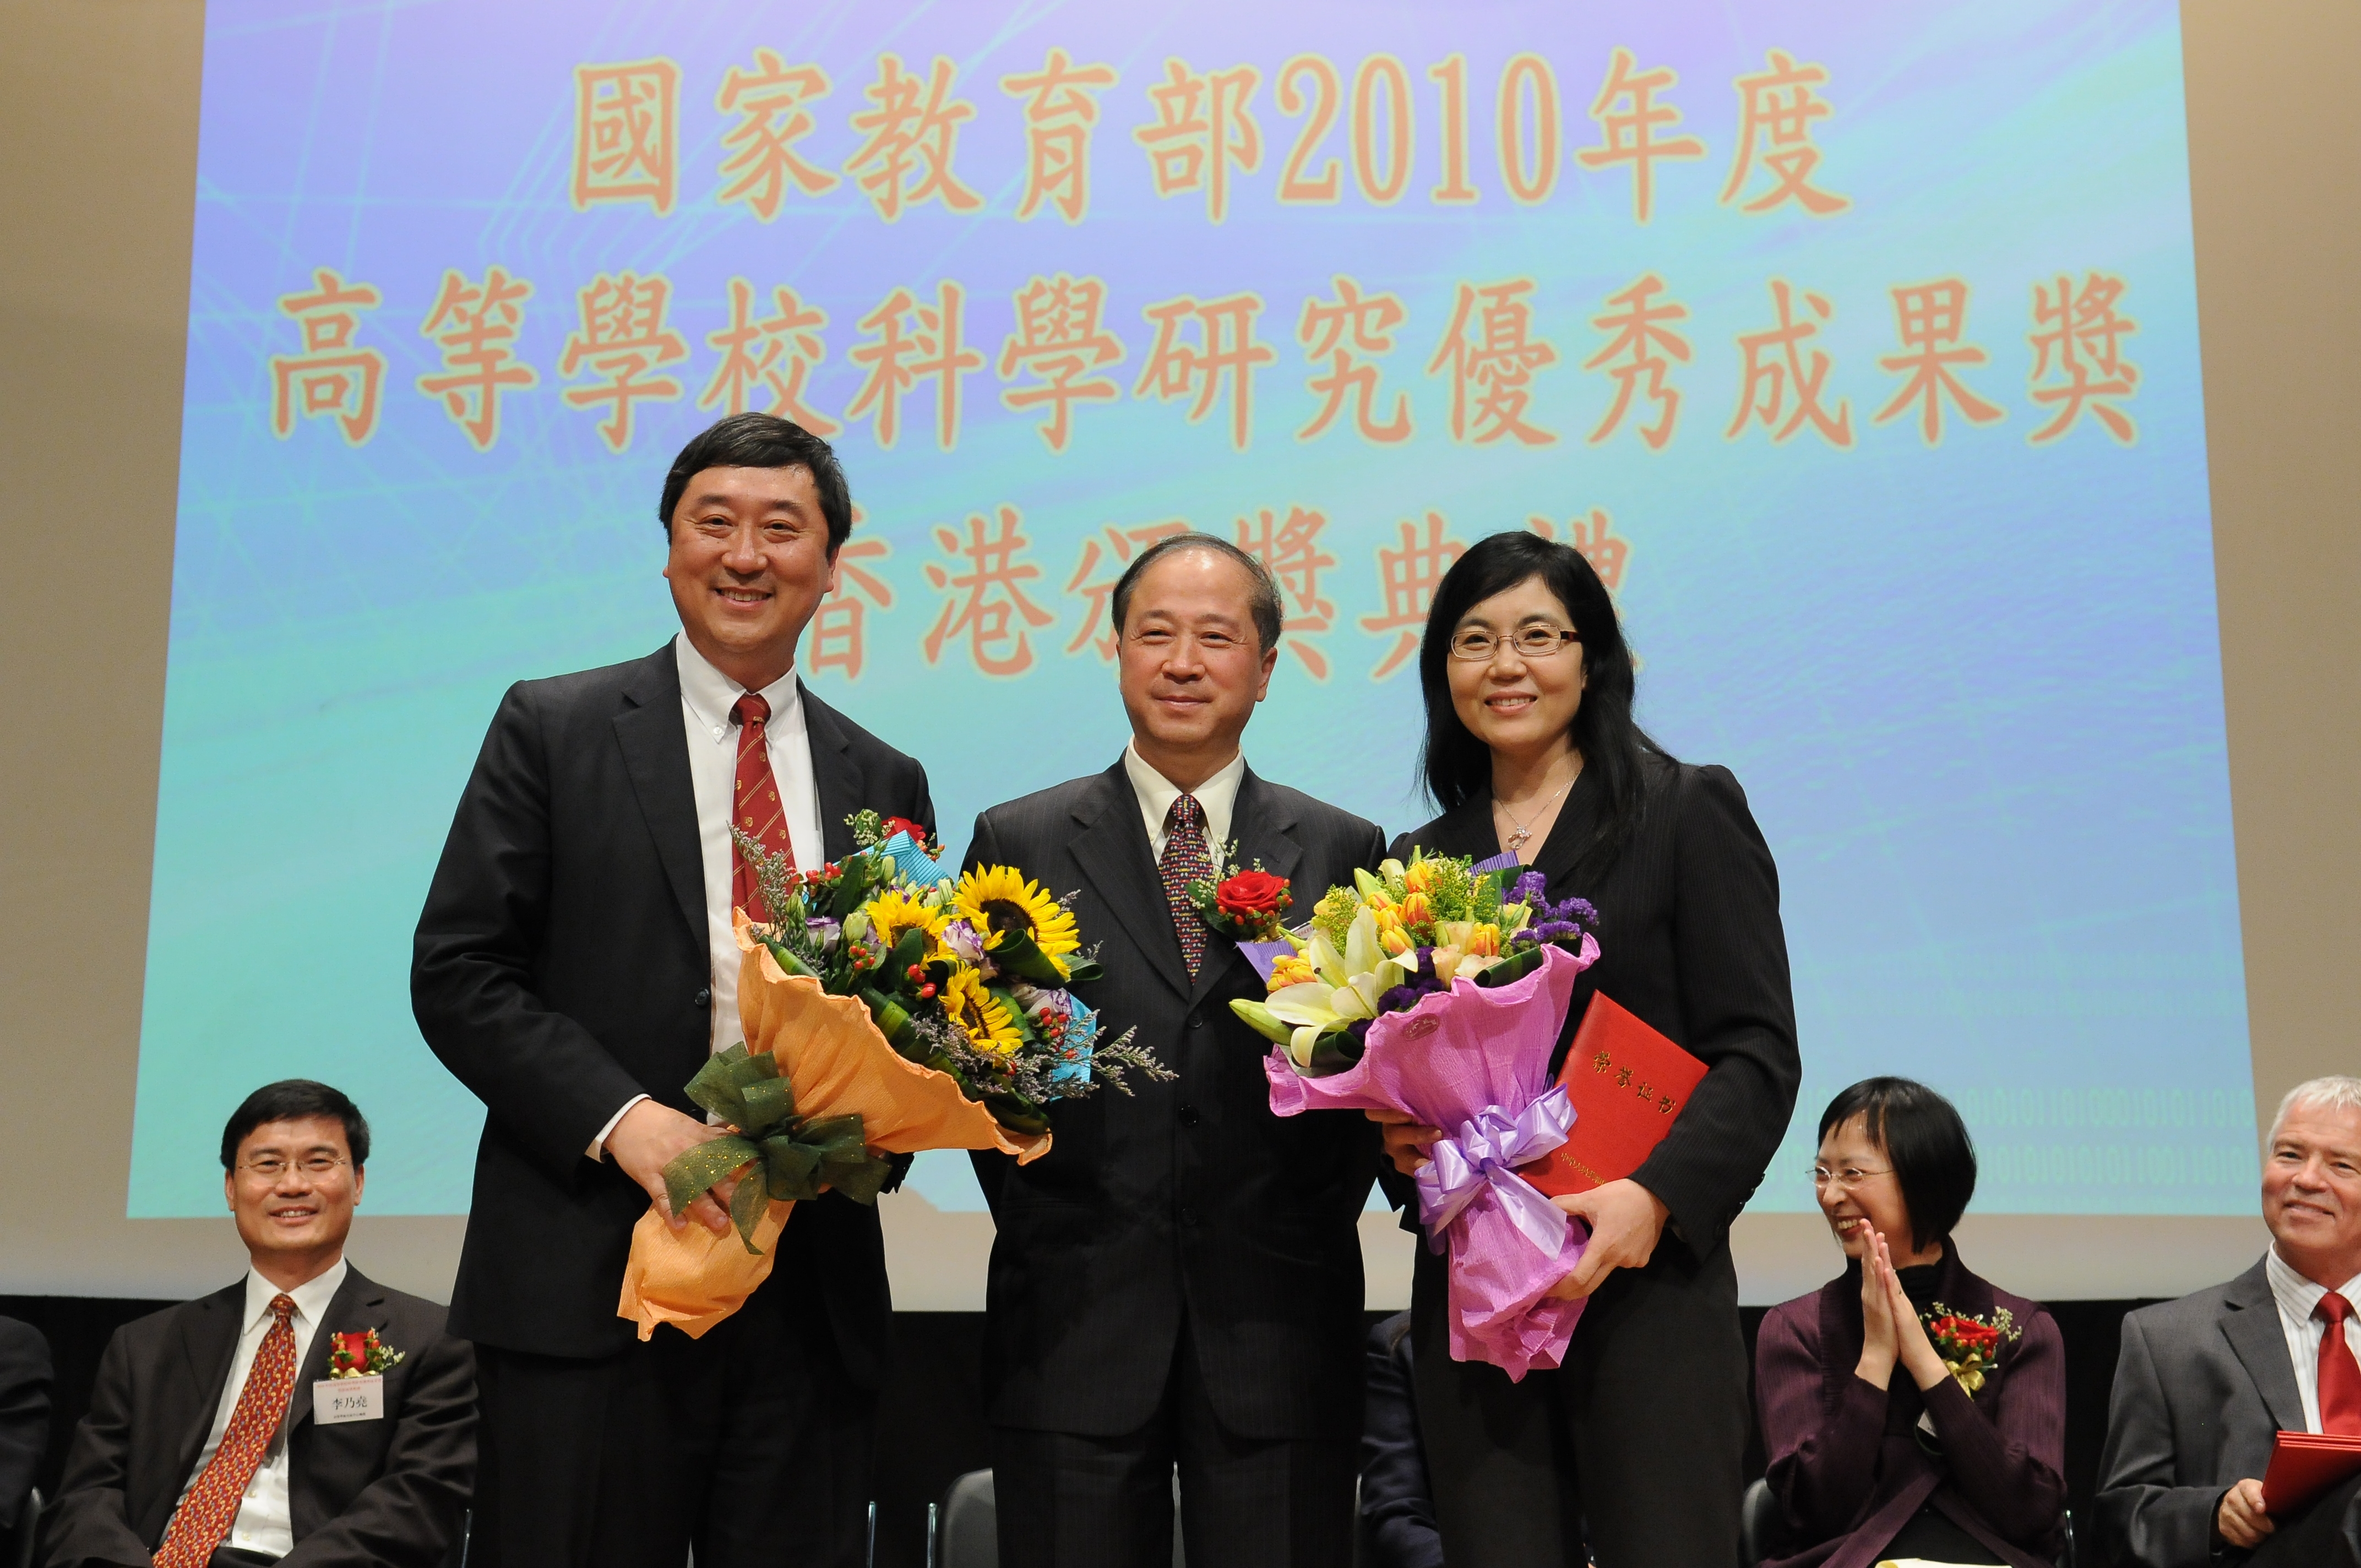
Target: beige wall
(98, 112)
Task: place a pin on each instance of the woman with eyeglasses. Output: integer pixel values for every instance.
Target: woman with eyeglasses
(1910, 1408)
(1638, 1441)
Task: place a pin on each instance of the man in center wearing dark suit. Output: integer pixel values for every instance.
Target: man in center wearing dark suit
(575, 964)
(1179, 1281)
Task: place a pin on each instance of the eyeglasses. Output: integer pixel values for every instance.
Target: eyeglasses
(271, 1167)
(1477, 646)
(1849, 1178)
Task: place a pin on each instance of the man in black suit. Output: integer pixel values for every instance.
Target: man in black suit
(1178, 1280)
(24, 1415)
(258, 1424)
(574, 966)
(2202, 1384)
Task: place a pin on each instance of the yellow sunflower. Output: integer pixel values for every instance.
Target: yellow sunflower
(893, 912)
(999, 899)
(982, 1018)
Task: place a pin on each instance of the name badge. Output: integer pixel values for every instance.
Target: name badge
(335, 1400)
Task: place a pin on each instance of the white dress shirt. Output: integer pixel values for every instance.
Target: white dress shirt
(707, 695)
(2297, 1297)
(1217, 797)
(264, 1520)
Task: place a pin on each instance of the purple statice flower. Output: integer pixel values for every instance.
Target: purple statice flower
(1421, 982)
(1531, 888)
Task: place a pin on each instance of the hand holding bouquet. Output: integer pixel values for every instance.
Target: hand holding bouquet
(887, 1008)
(1438, 988)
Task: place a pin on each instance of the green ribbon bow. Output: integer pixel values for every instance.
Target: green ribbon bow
(797, 1156)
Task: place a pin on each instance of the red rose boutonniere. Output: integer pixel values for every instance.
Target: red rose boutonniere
(1968, 1345)
(1245, 906)
(361, 1354)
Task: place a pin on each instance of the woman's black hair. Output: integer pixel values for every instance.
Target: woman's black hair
(1457, 767)
(296, 1100)
(1934, 1159)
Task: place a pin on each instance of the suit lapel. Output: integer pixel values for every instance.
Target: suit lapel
(208, 1345)
(836, 777)
(1110, 845)
(2252, 1326)
(1264, 830)
(1577, 821)
(655, 753)
(1466, 829)
(357, 1304)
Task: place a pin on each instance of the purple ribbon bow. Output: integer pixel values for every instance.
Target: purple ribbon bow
(1486, 1151)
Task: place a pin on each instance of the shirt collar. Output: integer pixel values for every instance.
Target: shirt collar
(710, 694)
(311, 1297)
(2298, 1295)
(1217, 797)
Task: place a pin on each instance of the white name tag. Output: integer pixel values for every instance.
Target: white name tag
(338, 1399)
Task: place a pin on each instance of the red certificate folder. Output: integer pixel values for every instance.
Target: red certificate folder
(2303, 1465)
(1628, 1084)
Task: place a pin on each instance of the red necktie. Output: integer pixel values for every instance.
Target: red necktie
(2340, 1375)
(754, 806)
(1187, 858)
(204, 1519)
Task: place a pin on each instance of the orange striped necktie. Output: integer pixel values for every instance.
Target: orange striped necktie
(203, 1520)
(754, 806)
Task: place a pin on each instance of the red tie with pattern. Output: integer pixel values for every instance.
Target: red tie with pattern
(1186, 860)
(754, 806)
(204, 1518)
(2340, 1375)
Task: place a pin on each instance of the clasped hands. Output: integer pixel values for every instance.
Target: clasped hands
(1625, 1219)
(1890, 1330)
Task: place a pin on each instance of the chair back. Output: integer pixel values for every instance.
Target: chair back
(967, 1530)
(1758, 1523)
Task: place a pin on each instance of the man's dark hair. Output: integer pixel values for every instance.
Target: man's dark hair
(1933, 1157)
(296, 1100)
(1457, 767)
(1262, 595)
(763, 441)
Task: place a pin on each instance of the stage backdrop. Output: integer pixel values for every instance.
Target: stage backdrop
(1855, 345)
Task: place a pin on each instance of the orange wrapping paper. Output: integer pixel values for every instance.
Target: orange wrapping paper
(830, 1051)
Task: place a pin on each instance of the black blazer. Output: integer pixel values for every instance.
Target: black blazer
(561, 968)
(1189, 1191)
(23, 1414)
(389, 1491)
(1689, 940)
(1397, 1527)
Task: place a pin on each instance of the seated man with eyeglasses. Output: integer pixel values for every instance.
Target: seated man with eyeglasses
(304, 1414)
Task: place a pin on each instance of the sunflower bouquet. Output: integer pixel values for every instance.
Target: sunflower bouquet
(888, 1008)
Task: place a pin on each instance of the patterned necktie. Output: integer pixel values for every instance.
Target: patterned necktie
(2340, 1375)
(755, 807)
(1186, 860)
(204, 1518)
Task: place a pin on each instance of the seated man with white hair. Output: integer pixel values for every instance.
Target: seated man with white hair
(2204, 1383)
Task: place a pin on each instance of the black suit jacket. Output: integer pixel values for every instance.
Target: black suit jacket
(1689, 940)
(2202, 1386)
(23, 1414)
(1187, 1198)
(561, 968)
(1397, 1527)
(389, 1491)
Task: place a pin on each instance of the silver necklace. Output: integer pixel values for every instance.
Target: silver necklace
(1516, 840)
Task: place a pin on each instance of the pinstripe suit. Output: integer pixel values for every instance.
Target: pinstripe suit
(1179, 1278)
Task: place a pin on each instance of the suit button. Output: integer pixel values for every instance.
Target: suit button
(1196, 1020)
(702, 999)
(1189, 1117)
(1188, 1216)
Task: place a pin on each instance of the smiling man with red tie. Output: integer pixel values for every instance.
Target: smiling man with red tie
(2205, 1383)
(305, 1414)
(575, 964)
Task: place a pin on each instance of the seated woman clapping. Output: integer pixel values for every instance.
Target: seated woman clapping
(1910, 1409)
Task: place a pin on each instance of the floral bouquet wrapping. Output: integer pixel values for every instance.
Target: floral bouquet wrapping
(1434, 990)
(889, 1009)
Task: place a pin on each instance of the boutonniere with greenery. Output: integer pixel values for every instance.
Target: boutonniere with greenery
(361, 1354)
(1968, 1345)
(1244, 905)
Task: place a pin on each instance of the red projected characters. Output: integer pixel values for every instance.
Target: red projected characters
(475, 326)
(1492, 354)
(331, 376)
(1290, 550)
(626, 120)
(912, 133)
(840, 640)
(774, 355)
(1777, 376)
(1058, 338)
(1203, 130)
(1409, 576)
(1095, 588)
(987, 602)
(914, 341)
(1629, 118)
(1061, 109)
(1776, 108)
(1642, 342)
(1225, 345)
(2081, 339)
(1337, 331)
(773, 105)
(1932, 318)
(622, 338)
